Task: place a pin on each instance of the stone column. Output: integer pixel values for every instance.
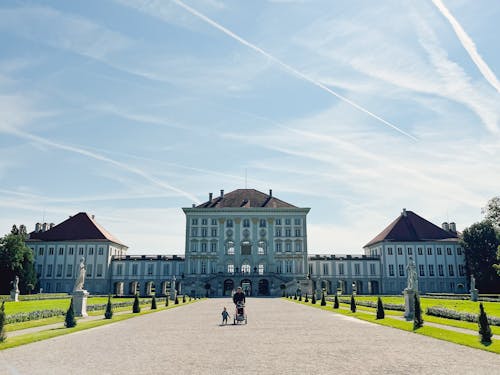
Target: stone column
(80, 302)
(409, 295)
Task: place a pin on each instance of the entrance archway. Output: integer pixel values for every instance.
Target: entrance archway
(246, 285)
(263, 287)
(373, 286)
(228, 287)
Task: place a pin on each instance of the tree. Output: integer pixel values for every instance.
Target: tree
(380, 309)
(2, 323)
(492, 211)
(153, 303)
(323, 301)
(484, 326)
(336, 302)
(16, 259)
(497, 266)
(418, 321)
(109, 309)
(353, 304)
(70, 320)
(480, 244)
(136, 308)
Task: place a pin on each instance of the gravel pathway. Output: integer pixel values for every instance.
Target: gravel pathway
(280, 338)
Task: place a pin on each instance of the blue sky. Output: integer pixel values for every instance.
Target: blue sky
(131, 109)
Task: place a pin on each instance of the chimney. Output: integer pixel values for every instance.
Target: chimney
(210, 195)
(44, 227)
(51, 225)
(453, 227)
(270, 192)
(93, 216)
(404, 212)
(193, 205)
(38, 227)
(222, 193)
(446, 226)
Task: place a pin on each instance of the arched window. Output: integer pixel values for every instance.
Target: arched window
(246, 223)
(261, 249)
(245, 268)
(261, 269)
(230, 268)
(230, 248)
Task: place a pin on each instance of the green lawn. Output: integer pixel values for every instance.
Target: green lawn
(53, 304)
(471, 340)
(491, 308)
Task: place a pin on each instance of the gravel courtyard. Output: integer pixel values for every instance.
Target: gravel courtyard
(281, 338)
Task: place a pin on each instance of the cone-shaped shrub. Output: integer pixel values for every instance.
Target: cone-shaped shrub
(417, 317)
(353, 304)
(136, 308)
(295, 296)
(166, 301)
(313, 299)
(108, 314)
(2, 322)
(484, 326)
(183, 298)
(153, 303)
(323, 301)
(300, 297)
(70, 320)
(380, 309)
(306, 300)
(336, 302)
(176, 300)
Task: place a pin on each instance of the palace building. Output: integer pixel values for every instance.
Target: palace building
(251, 239)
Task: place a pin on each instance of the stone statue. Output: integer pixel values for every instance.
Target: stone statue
(472, 282)
(15, 284)
(411, 269)
(81, 276)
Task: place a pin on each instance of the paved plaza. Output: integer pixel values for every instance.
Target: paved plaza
(281, 338)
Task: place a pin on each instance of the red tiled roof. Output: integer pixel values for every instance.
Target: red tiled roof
(246, 198)
(411, 227)
(76, 228)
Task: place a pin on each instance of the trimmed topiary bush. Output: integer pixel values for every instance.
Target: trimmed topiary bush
(313, 299)
(183, 298)
(166, 301)
(380, 309)
(109, 309)
(353, 304)
(323, 301)
(153, 303)
(70, 320)
(418, 321)
(176, 302)
(306, 300)
(2, 323)
(300, 297)
(136, 308)
(336, 302)
(295, 296)
(484, 326)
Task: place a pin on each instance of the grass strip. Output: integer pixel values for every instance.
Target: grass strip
(470, 340)
(54, 332)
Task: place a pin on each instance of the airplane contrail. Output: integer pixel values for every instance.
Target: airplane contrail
(105, 159)
(288, 67)
(468, 45)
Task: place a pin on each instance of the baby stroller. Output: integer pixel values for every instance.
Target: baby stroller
(240, 315)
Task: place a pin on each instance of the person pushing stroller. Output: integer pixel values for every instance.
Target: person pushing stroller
(239, 300)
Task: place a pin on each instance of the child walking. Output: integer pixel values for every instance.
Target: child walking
(225, 315)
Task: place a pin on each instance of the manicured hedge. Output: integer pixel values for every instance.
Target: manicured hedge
(459, 315)
(388, 306)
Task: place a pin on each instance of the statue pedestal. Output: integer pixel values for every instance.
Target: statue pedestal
(80, 302)
(14, 295)
(409, 303)
(474, 294)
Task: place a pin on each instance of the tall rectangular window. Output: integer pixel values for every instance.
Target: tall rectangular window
(288, 232)
(372, 268)
(89, 270)
(91, 251)
(59, 270)
(461, 270)
(51, 251)
(194, 221)
(61, 251)
(203, 232)
(341, 268)
(431, 270)
(448, 250)
(429, 251)
(204, 221)
(298, 246)
(214, 221)
(262, 223)
(150, 269)
(194, 232)
(438, 250)
(297, 221)
(40, 251)
(440, 270)
(80, 251)
(119, 269)
(325, 269)
(278, 232)
(213, 247)
(278, 247)
(99, 270)
(391, 269)
(297, 232)
(287, 221)
(420, 251)
(203, 247)
(49, 270)
(421, 269)
(134, 269)
(401, 270)
(70, 251)
(39, 270)
(389, 251)
(101, 251)
(229, 223)
(278, 221)
(451, 272)
(230, 268)
(246, 223)
(214, 232)
(69, 270)
(288, 247)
